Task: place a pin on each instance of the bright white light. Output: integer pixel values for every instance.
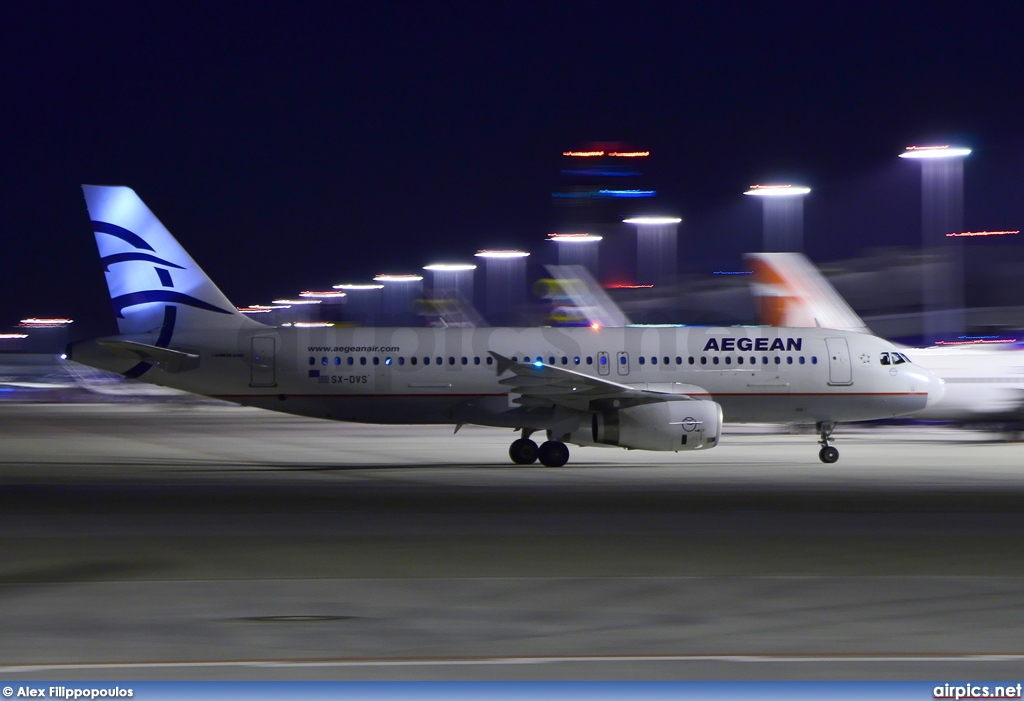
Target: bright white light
(538, 363)
(321, 295)
(63, 356)
(398, 278)
(358, 287)
(574, 238)
(652, 220)
(268, 307)
(946, 151)
(45, 322)
(501, 254)
(312, 324)
(777, 190)
(12, 336)
(449, 267)
(296, 301)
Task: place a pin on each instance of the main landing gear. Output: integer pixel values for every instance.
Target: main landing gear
(524, 451)
(827, 454)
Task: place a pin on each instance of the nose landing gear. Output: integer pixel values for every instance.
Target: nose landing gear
(828, 454)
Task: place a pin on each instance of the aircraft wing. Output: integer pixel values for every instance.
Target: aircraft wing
(542, 385)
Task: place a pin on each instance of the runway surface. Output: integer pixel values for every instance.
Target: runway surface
(212, 542)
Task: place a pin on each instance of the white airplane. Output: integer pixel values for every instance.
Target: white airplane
(983, 383)
(637, 388)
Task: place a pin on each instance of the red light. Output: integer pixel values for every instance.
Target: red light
(625, 286)
(629, 154)
(982, 233)
(583, 154)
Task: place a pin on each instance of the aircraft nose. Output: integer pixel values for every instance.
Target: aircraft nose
(936, 388)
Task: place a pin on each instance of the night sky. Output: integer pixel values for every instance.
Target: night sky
(296, 144)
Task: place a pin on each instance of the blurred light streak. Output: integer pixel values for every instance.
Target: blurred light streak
(982, 233)
(945, 151)
(12, 336)
(653, 220)
(583, 154)
(777, 190)
(501, 254)
(574, 238)
(296, 301)
(44, 323)
(385, 277)
(321, 295)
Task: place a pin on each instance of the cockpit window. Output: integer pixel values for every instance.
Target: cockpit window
(898, 359)
(885, 358)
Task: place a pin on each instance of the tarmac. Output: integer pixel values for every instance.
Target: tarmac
(180, 541)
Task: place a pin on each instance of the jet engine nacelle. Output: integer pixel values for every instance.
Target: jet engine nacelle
(669, 425)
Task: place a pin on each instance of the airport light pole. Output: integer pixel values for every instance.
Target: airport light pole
(942, 212)
(578, 249)
(364, 301)
(782, 215)
(505, 280)
(400, 294)
(656, 248)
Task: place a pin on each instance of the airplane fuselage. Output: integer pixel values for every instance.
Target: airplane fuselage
(425, 375)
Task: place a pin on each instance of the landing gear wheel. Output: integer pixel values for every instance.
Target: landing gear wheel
(553, 453)
(523, 451)
(828, 455)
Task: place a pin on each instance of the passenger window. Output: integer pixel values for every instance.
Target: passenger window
(603, 360)
(490, 360)
(351, 360)
(387, 361)
(476, 360)
(764, 359)
(465, 360)
(654, 360)
(753, 360)
(413, 360)
(728, 360)
(312, 360)
(778, 360)
(789, 360)
(439, 360)
(362, 360)
(739, 360)
(551, 360)
(324, 361)
(703, 360)
(814, 360)
(426, 360)
(590, 360)
(576, 360)
(801, 360)
(565, 361)
(337, 360)
(715, 360)
(679, 360)
(451, 360)
(642, 360)
(665, 360)
(401, 360)
(376, 360)
(885, 358)
(690, 360)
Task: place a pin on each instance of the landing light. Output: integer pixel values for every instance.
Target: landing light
(596, 326)
(652, 220)
(777, 190)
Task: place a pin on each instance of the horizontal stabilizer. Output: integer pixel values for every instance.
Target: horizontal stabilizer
(164, 358)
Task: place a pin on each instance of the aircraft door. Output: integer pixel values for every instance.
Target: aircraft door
(262, 367)
(623, 363)
(603, 366)
(840, 370)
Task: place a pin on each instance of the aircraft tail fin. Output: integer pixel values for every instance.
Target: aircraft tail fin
(154, 284)
(790, 291)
